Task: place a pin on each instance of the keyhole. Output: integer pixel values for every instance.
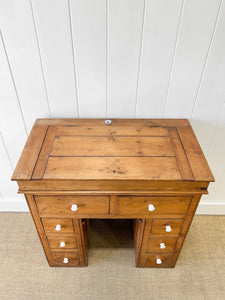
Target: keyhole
(108, 122)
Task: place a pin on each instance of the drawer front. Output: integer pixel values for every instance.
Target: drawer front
(161, 244)
(71, 206)
(148, 206)
(62, 242)
(57, 225)
(66, 259)
(166, 227)
(158, 260)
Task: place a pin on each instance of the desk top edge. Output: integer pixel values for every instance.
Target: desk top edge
(30, 154)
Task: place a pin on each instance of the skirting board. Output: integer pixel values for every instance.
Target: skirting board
(203, 208)
(13, 206)
(211, 209)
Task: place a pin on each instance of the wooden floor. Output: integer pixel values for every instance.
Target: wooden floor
(111, 274)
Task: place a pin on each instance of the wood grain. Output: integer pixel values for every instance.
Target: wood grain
(154, 244)
(73, 259)
(138, 206)
(86, 205)
(199, 165)
(115, 122)
(44, 153)
(69, 240)
(111, 146)
(138, 130)
(181, 157)
(113, 172)
(150, 260)
(136, 168)
(159, 227)
(50, 225)
(29, 156)
(113, 186)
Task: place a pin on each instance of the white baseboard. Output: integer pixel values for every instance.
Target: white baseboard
(203, 208)
(211, 209)
(13, 206)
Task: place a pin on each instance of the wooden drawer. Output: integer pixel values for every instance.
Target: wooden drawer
(148, 206)
(158, 260)
(161, 244)
(57, 225)
(62, 242)
(66, 259)
(166, 227)
(72, 206)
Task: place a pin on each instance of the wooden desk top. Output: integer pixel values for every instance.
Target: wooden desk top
(128, 149)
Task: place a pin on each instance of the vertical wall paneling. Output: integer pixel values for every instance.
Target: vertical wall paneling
(125, 22)
(211, 98)
(195, 35)
(12, 125)
(159, 38)
(19, 36)
(54, 37)
(112, 58)
(216, 156)
(88, 19)
(8, 188)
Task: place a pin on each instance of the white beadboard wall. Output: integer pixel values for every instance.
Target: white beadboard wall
(112, 58)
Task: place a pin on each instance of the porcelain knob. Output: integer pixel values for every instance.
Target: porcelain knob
(168, 228)
(162, 245)
(151, 207)
(58, 227)
(158, 261)
(62, 244)
(74, 207)
(65, 260)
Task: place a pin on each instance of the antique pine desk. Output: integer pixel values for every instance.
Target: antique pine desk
(151, 171)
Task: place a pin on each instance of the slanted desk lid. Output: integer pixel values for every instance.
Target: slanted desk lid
(89, 149)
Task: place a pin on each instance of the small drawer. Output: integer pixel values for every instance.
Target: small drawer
(166, 227)
(62, 242)
(66, 259)
(57, 225)
(148, 206)
(71, 206)
(161, 244)
(158, 260)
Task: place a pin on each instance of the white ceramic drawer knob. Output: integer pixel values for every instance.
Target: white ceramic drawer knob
(62, 244)
(74, 207)
(168, 228)
(151, 207)
(58, 227)
(65, 260)
(162, 245)
(158, 261)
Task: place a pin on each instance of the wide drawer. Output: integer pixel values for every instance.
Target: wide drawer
(57, 225)
(62, 242)
(166, 227)
(158, 260)
(148, 206)
(72, 206)
(161, 244)
(66, 259)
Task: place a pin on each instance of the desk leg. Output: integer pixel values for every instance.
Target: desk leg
(74, 236)
(160, 248)
(147, 248)
(81, 227)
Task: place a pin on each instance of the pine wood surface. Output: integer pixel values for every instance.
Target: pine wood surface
(154, 244)
(69, 240)
(68, 152)
(112, 171)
